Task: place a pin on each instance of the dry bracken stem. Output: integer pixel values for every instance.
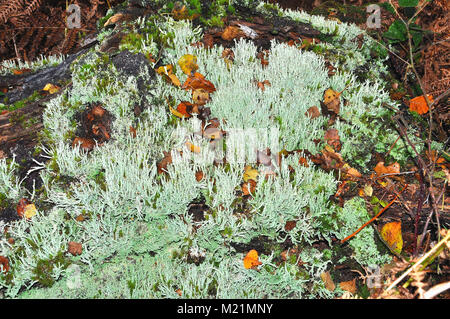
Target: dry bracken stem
(413, 267)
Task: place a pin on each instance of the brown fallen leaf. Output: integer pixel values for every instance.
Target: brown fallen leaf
(231, 32)
(198, 81)
(380, 169)
(75, 248)
(332, 139)
(198, 175)
(331, 101)
(4, 263)
(349, 286)
(326, 278)
(313, 112)
(290, 225)
(162, 165)
(249, 187)
(86, 144)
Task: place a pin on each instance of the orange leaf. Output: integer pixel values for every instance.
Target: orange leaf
(251, 259)
(380, 169)
(349, 286)
(392, 235)
(419, 105)
(193, 148)
(185, 108)
(198, 81)
(231, 32)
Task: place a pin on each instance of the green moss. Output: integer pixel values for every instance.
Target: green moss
(43, 272)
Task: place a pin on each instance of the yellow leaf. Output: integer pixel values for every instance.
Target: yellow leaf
(176, 113)
(188, 63)
(250, 173)
(251, 259)
(51, 88)
(175, 81)
(392, 235)
(30, 210)
(193, 148)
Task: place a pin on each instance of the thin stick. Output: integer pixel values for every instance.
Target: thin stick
(444, 240)
(375, 217)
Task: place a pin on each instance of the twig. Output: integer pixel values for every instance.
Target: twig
(375, 217)
(424, 257)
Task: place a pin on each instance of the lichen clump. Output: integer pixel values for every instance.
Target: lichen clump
(139, 236)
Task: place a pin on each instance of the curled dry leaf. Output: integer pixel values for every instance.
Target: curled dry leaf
(133, 132)
(75, 248)
(332, 139)
(349, 286)
(4, 263)
(326, 278)
(162, 165)
(251, 259)
(85, 144)
(198, 81)
(167, 73)
(231, 32)
(331, 101)
(114, 19)
(199, 175)
(313, 112)
(249, 187)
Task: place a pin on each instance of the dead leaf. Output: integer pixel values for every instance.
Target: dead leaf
(21, 71)
(250, 173)
(198, 81)
(200, 96)
(326, 278)
(251, 259)
(349, 286)
(262, 56)
(51, 88)
(313, 112)
(231, 32)
(392, 235)
(114, 19)
(4, 262)
(188, 63)
(183, 110)
(332, 101)
(25, 208)
(162, 165)
(167, 73)
(290, 225)
(193, 148)
(380, 169)
(249, 187)
(419, 105)
(198, 175)
(85, 144)
(133, 131)
(332, 139)
(262, 84)
(75, 248)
